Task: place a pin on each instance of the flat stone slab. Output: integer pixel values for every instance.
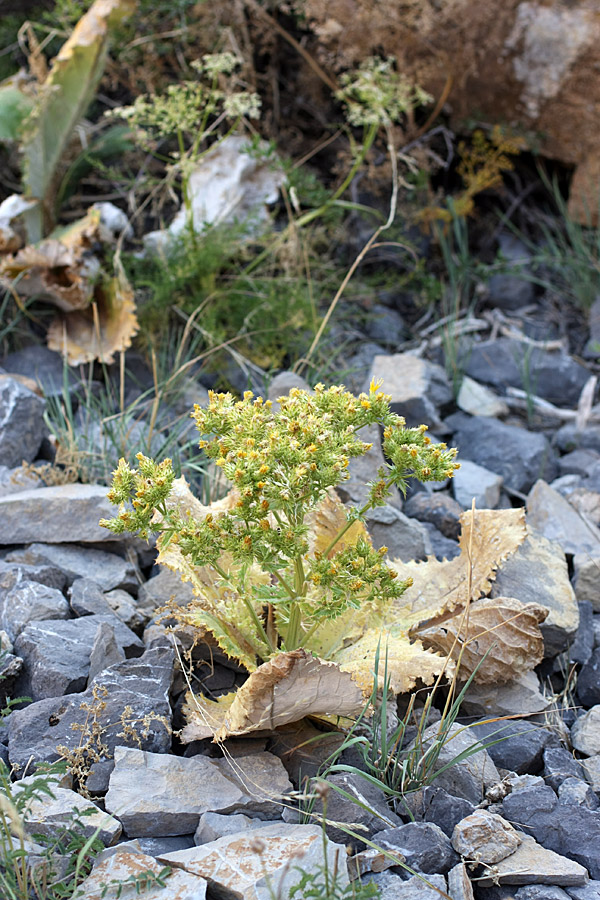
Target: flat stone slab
(107, 570)
(251, 866)
(62, 514)
(486, 837)
(177, 791)
(45, 813)
(127, 864)
(533, 864)
(554, 517)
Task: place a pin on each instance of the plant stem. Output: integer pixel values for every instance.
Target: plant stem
(247, 603)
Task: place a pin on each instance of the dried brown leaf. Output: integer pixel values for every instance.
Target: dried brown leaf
(503, 628)
(440, 588)
(285, 689)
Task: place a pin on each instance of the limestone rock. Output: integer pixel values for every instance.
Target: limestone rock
(585, 733)
(587, 578)
(518, 455)
(417, 387)
(57, 653)
(127, 864)
(591, 769)
(538, 568)
(21, 422)
(249, 866)
(478, 400)
(393, 887)
(60, 514)
(476, 482)
(213, 826)
(486, 837)
(519, 697)
(45, 813)
(405, 538)
(107, 570)
(423, 846)
(533, 864)
(141, 684)
(28, 602)
(555, 518)
(459, 883)
(177, 791)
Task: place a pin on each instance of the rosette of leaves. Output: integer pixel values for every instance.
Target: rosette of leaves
(286, 580)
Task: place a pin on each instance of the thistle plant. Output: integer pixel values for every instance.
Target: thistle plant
(264, 584)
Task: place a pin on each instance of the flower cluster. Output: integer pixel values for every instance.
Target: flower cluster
(376, 94)
(145, 489)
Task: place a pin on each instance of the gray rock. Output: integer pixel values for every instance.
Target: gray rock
(567, 484)
(571, 831)
(106, 651)
(108, 570)
(591, 891)
(141, 684)
(423, 845)
(434, 804)
(550, 374)
(485, 837)
(61, 514)
(12, 573)
(582, 647)
(588, 680)
(586, 579)
(519, 697)
(57, 653)
(591, 770)
(459, 883)
(555, 518)
(385, 325)
(418, 388)
(154, 846)
(569, 437)
(559, 764)
(437, 509)
(165, 586)
(28, 602)
(213, 826)
(585, 732)
(478, 400)
(441, 546)
(512, 290)
(124, 606)
(578, 462)
(266, 861)
(541, 892)
(359, 365)
(534, 864)
(42, 365)
(405, 538)
(392, 887)
(520, 745)
(178, 790)
(476, 482)
(577, 792)
(87, 598)
(468, 778)
(127, 865)
(12, 481)
(538, 569)
(46, 813)
(368, 810)
(21, 422)
(518, 455)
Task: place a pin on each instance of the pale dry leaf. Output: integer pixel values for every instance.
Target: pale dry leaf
(503, 628)
(405, 662)
(326, 521)
(440, 588)
(285, 689)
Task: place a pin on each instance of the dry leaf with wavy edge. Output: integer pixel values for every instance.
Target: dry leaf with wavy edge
(327, 520)
(441, 588)
(503, 628)
(408, 662)
(285, 689)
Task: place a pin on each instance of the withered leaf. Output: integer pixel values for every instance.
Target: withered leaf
(285, 689)
(503, 628)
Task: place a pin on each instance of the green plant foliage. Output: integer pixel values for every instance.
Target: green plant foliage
(282, 465)
(15, 106)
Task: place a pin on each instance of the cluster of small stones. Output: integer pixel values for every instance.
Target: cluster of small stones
(79, 637)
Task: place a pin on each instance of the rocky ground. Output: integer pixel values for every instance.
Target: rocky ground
(77, 612)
